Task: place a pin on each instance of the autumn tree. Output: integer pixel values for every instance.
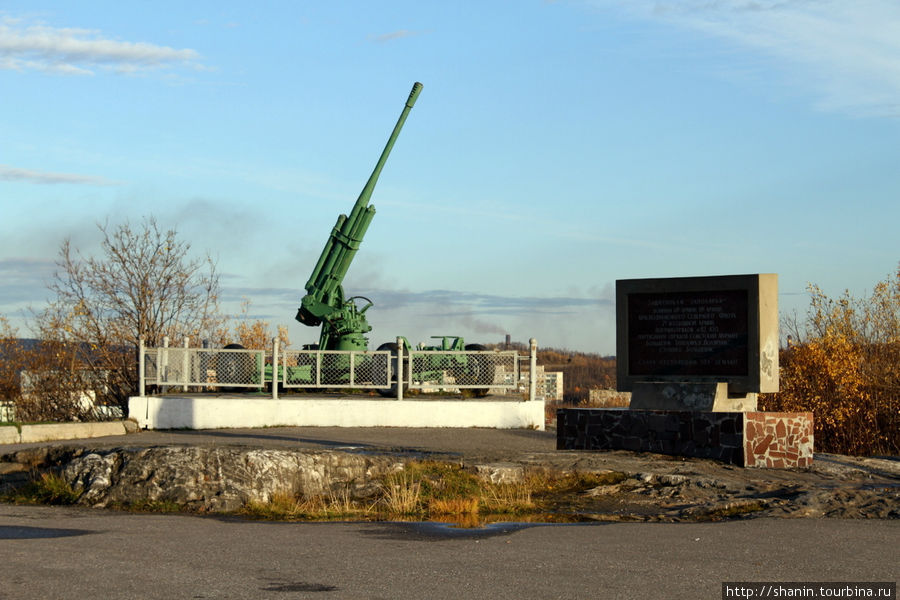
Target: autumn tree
(10, 362)
(256, 334)
(42, 380)
(143, 284)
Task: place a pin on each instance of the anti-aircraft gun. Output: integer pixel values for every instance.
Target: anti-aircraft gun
(343, 321)
(344, 324)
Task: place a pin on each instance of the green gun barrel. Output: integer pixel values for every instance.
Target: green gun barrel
(324, 295)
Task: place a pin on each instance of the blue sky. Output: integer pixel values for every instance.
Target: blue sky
(556, 147)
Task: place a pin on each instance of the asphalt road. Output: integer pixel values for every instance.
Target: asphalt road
(62, 552)
(468, 442)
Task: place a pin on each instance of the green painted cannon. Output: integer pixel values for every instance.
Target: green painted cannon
(343, 322)
(343, 319)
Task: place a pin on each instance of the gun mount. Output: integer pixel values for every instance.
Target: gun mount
(344, 324)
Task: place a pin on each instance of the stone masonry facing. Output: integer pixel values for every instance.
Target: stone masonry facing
(748, 439)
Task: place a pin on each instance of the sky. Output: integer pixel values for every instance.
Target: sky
(556, 147)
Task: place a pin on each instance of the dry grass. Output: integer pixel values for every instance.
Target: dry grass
(421, 490)
(509, 498)
(453, 506)
(401, 492)
(288, 506)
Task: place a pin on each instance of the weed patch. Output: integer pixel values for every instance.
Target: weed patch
(49, 488)
(421, 490)
(328, 507)
(453, 506)
(731, 511)
(401, 492)
(154, 506)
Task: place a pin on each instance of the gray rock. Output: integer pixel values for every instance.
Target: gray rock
(501, 472)
(218, 479)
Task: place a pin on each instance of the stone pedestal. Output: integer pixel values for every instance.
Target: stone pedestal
(695, 352)
(709, 397)
(748, 439)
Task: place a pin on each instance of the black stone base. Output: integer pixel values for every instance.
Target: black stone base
(716, 435)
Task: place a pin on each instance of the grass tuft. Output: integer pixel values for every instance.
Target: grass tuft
(453, 506)
(49, 488)
(321, 507)
(401, 492)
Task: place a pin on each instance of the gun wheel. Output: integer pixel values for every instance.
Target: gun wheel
(478, 371)
(392, 347)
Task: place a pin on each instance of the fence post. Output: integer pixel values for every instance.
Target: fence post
(399, 368)
(141, 382)
(164, 364)
(532, 371)
(186, 364)
(318, 368)
(274, 368)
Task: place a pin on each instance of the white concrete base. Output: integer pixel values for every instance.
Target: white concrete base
(9, 434)
(47, 432)
(68, 431)
(217, 412)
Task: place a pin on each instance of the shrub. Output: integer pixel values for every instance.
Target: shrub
(845, 368)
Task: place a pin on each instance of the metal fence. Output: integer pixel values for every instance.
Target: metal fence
(203, 367)
(335, 369)
(458, 372)
(437, 370)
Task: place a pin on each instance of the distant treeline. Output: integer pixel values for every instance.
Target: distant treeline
(582, 371)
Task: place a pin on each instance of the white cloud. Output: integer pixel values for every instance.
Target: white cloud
(8, 173)
(394, 35)
(73, 51)
(846, 53)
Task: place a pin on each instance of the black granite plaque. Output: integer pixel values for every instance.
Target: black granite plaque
(701, 333)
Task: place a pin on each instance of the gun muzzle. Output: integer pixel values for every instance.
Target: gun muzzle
(417, 87)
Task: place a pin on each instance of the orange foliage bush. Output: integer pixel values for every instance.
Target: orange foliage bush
(255, 334)
(847, 372)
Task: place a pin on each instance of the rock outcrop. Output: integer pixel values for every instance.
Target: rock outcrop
(212, 479)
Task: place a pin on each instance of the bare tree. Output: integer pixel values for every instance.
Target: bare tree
(144, 284)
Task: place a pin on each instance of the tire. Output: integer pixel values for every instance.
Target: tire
(390, 392)
(478, 371)
(230, 367)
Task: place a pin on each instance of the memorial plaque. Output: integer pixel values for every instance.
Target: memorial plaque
(688, 333)
(720, 329)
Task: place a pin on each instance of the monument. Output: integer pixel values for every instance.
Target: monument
(695, 352)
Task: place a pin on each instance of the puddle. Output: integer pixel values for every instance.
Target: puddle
(19, 532)
(434, 531)
(431, 531)
(300, 586)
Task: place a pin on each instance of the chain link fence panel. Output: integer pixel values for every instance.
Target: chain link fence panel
(151, 366)
(453, 371)
(204, 367)
(335, 369)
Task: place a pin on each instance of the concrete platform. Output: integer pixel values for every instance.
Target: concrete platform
(199, 411)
